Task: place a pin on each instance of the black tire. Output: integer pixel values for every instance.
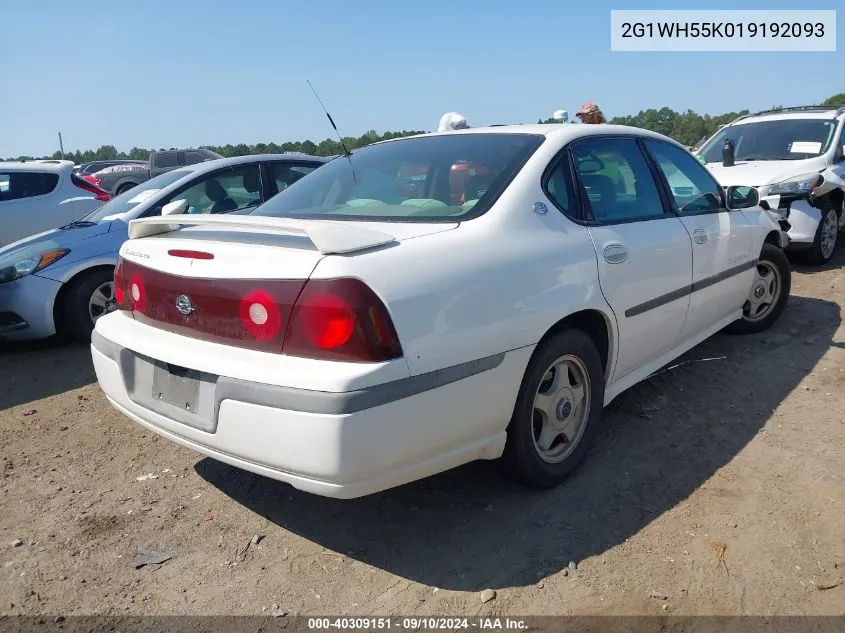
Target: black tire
(125, 188)
(773, 258)
(522, 457)
(77, 318)
(815, 255)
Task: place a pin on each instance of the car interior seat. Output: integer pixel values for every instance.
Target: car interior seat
(476, 186)
(252, 184)
(600, 187)
(217, 194)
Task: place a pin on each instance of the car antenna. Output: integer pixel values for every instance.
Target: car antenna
(346, 151)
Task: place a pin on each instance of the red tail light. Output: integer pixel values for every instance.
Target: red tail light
(119, 292)
(260, 315)
(341, 319)
(90, 186)
(331, 319)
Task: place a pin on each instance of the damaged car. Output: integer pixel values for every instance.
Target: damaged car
(796, 159)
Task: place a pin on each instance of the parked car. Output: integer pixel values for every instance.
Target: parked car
(84, 169)
(796, 157)
(37, 196)
(96, 177)
(346, 340)
(159, 163)
(62, 281)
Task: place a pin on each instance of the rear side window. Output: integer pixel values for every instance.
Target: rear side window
(559, 187)
(192, 158)
(26, 184)
(284, 174)
(166, 159)
(617, 180)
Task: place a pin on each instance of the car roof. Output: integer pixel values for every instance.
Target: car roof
(563, 132)
(217, 163)
(36, 165)
(787, 114)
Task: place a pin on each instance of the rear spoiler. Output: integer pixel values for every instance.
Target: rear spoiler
(329, 237)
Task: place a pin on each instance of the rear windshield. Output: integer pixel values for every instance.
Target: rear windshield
(128, 200)
(779, 139)
(423, 179)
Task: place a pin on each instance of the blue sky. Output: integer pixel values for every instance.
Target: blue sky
(151, 73)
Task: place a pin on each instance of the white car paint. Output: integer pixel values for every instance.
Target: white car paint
(481, 293)
(24, 217)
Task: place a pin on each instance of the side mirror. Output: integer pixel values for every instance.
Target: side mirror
(739, 197)
(177, 207)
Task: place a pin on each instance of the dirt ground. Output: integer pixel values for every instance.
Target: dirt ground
(716, 487)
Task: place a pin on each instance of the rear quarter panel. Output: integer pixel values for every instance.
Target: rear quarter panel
(483, 288)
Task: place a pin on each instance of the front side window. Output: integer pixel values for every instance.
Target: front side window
(780, 139)
(618, 182)
(693, 189)
(17, 185)
(232, 190)
(840, 151)
(128, 200)
(422, 179)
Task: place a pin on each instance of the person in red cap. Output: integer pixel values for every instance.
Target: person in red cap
(590, 113)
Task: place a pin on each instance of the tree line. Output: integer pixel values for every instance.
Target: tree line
(688, 128)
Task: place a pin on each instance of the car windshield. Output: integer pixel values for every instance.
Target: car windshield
(782, 139)
(420, 179)
(135, 196)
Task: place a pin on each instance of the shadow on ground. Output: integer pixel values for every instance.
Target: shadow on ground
(40, 369)
(836, 262)
(472, 528)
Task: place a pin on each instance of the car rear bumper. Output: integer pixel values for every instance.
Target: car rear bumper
(341, 445)
(26, 308)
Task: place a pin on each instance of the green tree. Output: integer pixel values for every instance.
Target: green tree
(835, 100)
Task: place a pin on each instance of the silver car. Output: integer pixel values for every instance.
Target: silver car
(61, 281)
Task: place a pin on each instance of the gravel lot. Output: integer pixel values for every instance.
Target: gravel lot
(716, 487)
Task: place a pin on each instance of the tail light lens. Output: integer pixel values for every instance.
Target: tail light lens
(91, 187)
(341, 319)
(329, 319)
(119, 291)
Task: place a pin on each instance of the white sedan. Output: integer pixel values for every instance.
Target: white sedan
(383, 320)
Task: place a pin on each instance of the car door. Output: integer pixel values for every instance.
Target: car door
(722, 249)
(644, 252)
(236, 188)
(29, 204)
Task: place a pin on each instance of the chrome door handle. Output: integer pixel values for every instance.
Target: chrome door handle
(615, 253)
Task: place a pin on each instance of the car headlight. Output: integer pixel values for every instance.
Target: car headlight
(20, 264)
(797, 185)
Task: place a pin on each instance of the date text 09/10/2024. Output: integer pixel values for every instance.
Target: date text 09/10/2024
(416, 624)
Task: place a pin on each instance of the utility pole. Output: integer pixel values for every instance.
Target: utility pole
(61, 146)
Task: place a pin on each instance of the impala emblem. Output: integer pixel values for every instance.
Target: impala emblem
(184, 305)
